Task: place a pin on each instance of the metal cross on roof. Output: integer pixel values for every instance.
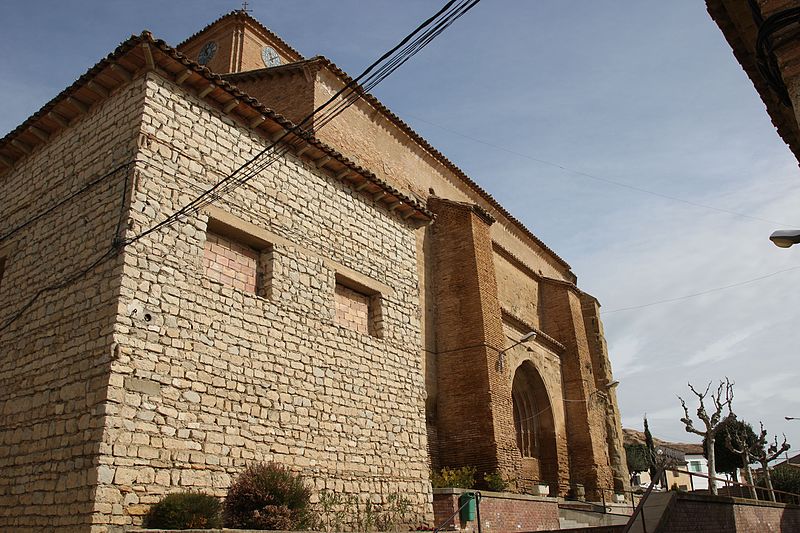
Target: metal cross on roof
(244, 7)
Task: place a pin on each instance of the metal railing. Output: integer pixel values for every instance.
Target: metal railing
(602, 499)
(744, 490)
(638, 511)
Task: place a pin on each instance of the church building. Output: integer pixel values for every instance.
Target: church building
(359, 310)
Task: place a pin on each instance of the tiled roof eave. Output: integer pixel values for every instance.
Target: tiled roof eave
(743, 47)
(149, 47)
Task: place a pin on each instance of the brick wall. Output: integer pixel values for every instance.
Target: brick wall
(562, 317)
(693, 512)
(499, 512)
(466, 431)
(230, 263)
(352, 309)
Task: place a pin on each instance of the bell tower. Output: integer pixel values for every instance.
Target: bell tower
(237, 42)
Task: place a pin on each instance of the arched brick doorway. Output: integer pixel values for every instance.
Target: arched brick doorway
(534, 426)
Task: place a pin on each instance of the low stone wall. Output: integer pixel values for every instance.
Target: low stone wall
(689, 513)
(500, 511)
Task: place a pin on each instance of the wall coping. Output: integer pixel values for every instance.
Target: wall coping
(495, 495)
(710, 498)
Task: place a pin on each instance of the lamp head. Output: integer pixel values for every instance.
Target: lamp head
(784, 238)
(528, 336)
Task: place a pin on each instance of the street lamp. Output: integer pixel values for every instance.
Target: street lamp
(791, 417)
(785, 238)
(501, 362)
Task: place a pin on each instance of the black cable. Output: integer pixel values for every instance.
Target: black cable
(766, 61)
(231, 182)
(61, 202)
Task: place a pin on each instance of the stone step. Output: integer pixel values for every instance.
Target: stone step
(566, 523)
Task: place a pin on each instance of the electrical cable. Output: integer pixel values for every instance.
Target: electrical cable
(602, 179)
(234, 180)
(701, 293)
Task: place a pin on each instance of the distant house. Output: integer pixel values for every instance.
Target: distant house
(682, 457)
(790, 461)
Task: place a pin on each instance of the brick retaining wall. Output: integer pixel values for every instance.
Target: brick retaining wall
(689, 513)
(499, 511)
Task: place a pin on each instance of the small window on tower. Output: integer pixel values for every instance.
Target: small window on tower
(2, 269)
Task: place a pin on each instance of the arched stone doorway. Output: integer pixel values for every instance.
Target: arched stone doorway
(534, 426)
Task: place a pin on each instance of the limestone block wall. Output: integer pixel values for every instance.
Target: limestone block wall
(218, 377)
(54, 360)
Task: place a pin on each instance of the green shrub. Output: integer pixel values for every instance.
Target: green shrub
(185, 510)
(785, 478)
(495, 481)
(463, 477)
(268, 496)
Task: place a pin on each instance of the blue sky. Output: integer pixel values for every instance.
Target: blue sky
(644, 93)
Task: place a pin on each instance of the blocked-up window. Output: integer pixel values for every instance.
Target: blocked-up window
(231, 263)
(358, 309)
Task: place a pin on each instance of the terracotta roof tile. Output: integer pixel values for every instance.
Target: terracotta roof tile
(146, 37)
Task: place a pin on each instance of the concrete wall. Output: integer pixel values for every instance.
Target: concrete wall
(54, 360)
(218, 378)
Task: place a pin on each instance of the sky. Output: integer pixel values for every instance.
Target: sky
(547, 103)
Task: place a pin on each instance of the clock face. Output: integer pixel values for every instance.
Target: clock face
(207, 52)
(270, 57)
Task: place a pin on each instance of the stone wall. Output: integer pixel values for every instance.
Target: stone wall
(219, 377)
(54, 360)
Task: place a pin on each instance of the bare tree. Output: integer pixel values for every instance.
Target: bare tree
(739, 440)
(764, 454)
(722, 398)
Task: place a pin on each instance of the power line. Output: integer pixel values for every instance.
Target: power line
(605, 180)
(409, 46)
(701, 293)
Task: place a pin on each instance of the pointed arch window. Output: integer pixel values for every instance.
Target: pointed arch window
(526, 414)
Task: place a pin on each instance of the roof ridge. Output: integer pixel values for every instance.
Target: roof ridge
(248, 18)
